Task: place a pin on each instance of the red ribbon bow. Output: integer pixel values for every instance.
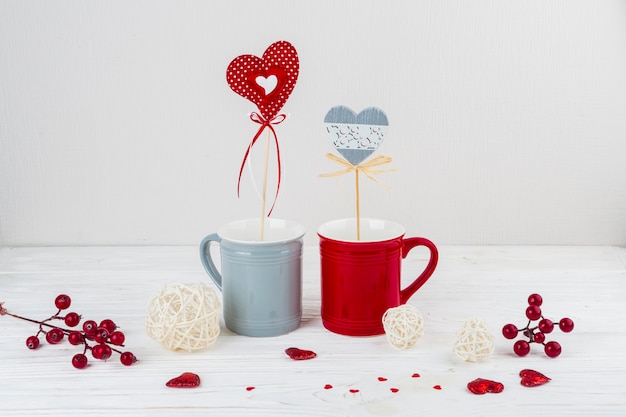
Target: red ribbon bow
(257, 118)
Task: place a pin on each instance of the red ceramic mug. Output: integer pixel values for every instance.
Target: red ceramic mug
(361, 277)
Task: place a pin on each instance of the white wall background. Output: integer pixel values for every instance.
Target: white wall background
(507, 118)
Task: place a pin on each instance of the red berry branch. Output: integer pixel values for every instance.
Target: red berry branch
(100, 339)
(536, 334)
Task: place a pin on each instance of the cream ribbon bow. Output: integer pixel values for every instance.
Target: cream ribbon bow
(366, 168)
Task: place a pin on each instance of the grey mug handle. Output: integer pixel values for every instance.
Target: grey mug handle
(207, 261)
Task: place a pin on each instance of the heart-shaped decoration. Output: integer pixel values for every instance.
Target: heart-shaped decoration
(532, 378)
(300, 354)
(267, 81)
(481, 386)
(356, 136)
(184, 380)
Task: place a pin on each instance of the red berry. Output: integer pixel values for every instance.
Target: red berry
(96, 351)
(90, 327)
(521, 348)
(79, 361)
(533, 312)
(546, 326)
(32, 342)
(552, 349)
(75, 338)
(101, 335)
(62, 301)
(535, 300)
(127, 358)
(109, 325)
(72, 319)
(539, 337)
(106, 352)
(101, 351)
(509, 331)
(54, 336)
(117, 338)
(566, 325)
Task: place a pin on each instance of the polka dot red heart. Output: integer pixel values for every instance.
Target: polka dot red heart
(267, 81)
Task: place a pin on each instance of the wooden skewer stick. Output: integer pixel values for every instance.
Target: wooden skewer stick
(358, 208)
(267, 155)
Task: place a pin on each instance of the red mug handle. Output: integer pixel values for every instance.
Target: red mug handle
(407, 245)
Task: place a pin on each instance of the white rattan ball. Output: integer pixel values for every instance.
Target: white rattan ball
(474, 341)
(403, 325)
(184, 316)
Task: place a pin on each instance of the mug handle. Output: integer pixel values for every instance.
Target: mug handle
(407, 245)
(207, 261)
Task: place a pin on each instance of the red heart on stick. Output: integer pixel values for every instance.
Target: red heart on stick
(267, 81)
(532, 378)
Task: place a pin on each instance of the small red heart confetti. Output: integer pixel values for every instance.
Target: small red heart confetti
(328, 386)
(415, 375)
(437, 387)
(300, 354)
(532, 378)
(382, 378)
(249, 388)
(354, 391)
(481, 386)
(394, 389)
(184, 380)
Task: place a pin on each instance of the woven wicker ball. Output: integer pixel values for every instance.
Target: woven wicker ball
(474, 341)
(184, 316)
(403, 325)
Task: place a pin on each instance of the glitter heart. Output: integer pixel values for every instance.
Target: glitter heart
(532, 378)
(481, 386)
(184, 380)
(356, 136)
(300, 354)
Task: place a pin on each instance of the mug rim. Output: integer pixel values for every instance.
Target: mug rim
(399, 234)
(293, 230)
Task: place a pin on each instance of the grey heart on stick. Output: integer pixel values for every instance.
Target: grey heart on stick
(356, 136)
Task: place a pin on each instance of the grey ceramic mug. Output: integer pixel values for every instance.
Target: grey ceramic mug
(261, 280)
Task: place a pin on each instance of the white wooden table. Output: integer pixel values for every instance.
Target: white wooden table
(587, 284)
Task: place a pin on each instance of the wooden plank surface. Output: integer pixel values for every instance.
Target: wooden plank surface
(587, 284)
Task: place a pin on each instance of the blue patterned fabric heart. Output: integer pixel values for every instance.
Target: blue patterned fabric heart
(356, 136)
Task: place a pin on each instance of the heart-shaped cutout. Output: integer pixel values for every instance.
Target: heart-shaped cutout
(184, 380)
(267, 81)
(268, 84)
(481, 386)
(531, 378)
(356, 136)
